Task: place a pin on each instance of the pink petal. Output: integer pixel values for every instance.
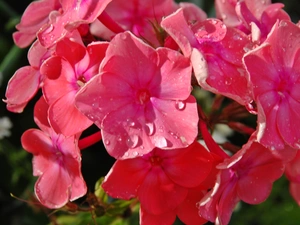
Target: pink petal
(101, 95)
(36, 54)
(125, 177)
(225, 11)
(175, 121)
(65, 118)
(158, 194)
(227, 202)
(34, 17)
(125, 133)
(175, 75)
(52, 67)
(285, 38)
(268, 133)
(261, 68)
(41, 114)
(62, 79)
(287, 117)
(256, 185)
(21, 88)
(126, 49)
(53, 187)
(37, 142)
(75, 13)
(70, 50)
(178, 28)
(72, 163)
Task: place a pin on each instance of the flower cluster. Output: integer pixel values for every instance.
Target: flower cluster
(133, 69)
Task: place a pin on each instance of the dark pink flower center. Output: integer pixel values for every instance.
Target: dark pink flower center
(81, 81)
(283, 87)
(155, 160)
(143, 96)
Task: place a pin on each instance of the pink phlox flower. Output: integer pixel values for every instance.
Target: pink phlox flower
(26, 81)
(162, 181)
(141, 98)
(253, 17)
(56, 161)
(67, 72)
(216, 53)
(248, 176)
(140, 17)
(72, 14)
(274, 73)
(34, 17)
(259, 17)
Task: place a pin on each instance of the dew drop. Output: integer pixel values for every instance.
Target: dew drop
(130, 122)
(160, 142)
(132, 141)
(123, 36)
(161, 129)
(119, 138)
(150, 128)
(49, 29)
(107, 142)
(180, 105)
(135, 154)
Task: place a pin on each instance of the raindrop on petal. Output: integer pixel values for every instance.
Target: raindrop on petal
(180, 105)
(135, 154)
(160, 142)
(132, 141)
(149, 128)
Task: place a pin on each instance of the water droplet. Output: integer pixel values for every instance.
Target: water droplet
(123, 36)
(180, 105)
(130, 122)
(49, 29)
(107, 142)
(283, 23)
(173, 134)
(135, 154)
(183, 140)
(132, 141)
(142, 147)
(119, 138)
(161, 129)
(149, 128)
(214, 21)
(251, 107)
(160, 142)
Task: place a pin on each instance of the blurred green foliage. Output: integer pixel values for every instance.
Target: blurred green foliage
(16, 169)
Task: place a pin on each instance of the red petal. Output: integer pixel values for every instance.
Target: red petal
(158, 194)
(125, 177)
(190, 168)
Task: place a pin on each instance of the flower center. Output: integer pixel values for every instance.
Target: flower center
(143, 96)
(81, 81)
(155, 160)
(283, 87)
